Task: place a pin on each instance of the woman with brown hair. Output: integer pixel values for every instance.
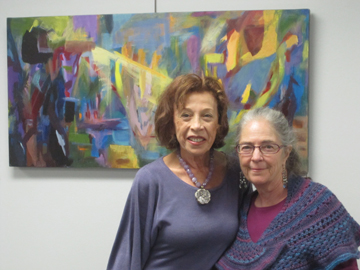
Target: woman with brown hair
(182, 210)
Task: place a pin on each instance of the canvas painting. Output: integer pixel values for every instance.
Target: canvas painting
(82, 90)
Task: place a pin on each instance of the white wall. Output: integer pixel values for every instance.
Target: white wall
(67, 219)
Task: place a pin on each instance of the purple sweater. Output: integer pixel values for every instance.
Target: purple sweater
(164, 227)
(312, 231)
(259, 218)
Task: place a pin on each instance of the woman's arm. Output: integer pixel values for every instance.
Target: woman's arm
(132, 245)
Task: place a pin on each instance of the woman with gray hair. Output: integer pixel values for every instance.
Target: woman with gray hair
(289, 222)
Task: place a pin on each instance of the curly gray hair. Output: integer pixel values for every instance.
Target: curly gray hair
(284, 132)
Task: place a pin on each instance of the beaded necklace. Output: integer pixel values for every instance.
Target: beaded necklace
(202, 195)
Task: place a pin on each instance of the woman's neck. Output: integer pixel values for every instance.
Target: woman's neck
(268, 196)
(197, 162)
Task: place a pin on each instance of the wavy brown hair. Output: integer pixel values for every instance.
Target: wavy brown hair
(175, 96)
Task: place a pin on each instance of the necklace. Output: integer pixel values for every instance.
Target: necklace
(202, 195)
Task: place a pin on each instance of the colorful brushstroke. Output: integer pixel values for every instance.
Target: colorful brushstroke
(83, 90)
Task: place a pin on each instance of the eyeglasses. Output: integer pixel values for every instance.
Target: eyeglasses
(247, 149)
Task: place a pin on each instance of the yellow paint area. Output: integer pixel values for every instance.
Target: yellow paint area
(118, 79)
(246, 94)
(292, 40)
(269, 45)
(144, 74)
(171, 22)
(155, 60)
(238, 117)
(237, 49)
(233, 50)
(305, 52)
(142, 82)
(278, 71)
(141, 57)
(212, 58)
(122, 156)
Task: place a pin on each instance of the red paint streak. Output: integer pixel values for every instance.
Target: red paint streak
(135, 57)
(60, 54)
(254, 36)
(247, 106)
(230, 33)
(225, 56)
(267, 88)
(87, 113)
(68, 85)
(232, 72)
(286, 37)
(100, 74)
(288, 55)
(37, 99)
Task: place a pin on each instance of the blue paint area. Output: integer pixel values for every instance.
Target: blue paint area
(149, 155)
(256, 73)
(146, 34)
(122, 135)
(100, 141)
(94, 149)
(59, 85)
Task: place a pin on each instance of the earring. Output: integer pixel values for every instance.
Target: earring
(284, 177)
(242, 181)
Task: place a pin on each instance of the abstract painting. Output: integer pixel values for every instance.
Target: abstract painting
(82, 90)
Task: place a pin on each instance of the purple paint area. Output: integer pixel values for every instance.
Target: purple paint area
(193, 51)
(296, 58)
(108, 124)
(13, 77)
(70, 76)
(206, 13)
(89, 23)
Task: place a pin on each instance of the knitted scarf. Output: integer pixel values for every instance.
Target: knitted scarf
(312, 231)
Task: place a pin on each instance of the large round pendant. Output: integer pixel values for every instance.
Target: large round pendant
(203, 196)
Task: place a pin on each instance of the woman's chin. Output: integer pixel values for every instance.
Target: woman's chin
(258, 181)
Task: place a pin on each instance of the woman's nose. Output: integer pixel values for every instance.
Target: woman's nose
(196, 123)
(257, 155)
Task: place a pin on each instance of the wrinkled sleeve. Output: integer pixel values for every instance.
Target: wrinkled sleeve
(135, 236)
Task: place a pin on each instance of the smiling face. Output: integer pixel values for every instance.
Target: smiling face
(262, 170)
(196, 124)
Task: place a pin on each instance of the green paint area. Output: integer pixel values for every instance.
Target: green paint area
(82, 158)
(79, 138)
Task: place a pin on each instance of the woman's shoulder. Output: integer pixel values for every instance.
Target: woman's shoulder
(309, 192)
(300, 184)
(152, 166)
(150, 173)
(319, 187)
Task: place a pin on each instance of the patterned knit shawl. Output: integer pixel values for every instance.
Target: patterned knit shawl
(312, 231)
